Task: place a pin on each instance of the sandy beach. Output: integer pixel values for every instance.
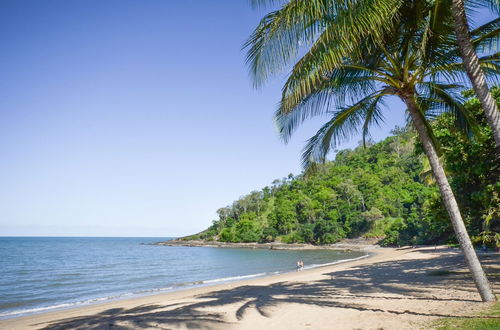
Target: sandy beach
(403, 288)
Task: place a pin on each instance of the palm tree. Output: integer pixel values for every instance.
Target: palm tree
(414, 59)
(471, 64)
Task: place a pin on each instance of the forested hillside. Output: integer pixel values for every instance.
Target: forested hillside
(383, 190)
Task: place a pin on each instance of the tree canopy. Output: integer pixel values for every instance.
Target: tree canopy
(383, 191)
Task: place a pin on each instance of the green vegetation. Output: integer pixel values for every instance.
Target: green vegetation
(474, 176)
(380, 191)
(404, 49)
(364, 192)
(490, 320)
(347, 57)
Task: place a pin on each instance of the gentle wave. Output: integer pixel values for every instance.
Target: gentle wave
(335, 262)
(234, 278)
(49, 308)
(175, 287)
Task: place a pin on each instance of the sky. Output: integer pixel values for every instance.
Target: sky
(135, 118)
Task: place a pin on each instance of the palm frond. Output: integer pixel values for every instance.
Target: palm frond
(355, 53)
(455, 70)
(343, 125)
(277, 40)
(446, 98)
(280, 34)
(266, 3)
(486, 38)
(493, 5)
(345, 85)
(373, 117)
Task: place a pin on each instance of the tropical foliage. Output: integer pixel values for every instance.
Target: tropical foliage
(473, 173)
(363, 192)
(382, 191)
(412, 55)
(417, 62)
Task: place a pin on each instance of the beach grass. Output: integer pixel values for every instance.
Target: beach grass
(489, 320)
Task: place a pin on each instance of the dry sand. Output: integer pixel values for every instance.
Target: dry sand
(393, 289)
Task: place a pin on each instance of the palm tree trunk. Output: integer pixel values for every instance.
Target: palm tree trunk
(474, 71)
(450, 203)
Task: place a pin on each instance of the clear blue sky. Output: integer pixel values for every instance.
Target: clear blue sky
(133, 118)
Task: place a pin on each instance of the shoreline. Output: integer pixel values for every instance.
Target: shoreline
(170, 289)
(361, 245)
(391, 288)
(181, 291)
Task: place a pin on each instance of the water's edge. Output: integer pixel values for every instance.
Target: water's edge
(173, 288)
(346, 245)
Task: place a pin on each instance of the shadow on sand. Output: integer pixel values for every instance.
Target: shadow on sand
(390, 280)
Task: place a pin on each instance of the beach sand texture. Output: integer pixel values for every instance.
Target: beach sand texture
(393, 289)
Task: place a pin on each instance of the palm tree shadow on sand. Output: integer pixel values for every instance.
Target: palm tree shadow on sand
(403, 280)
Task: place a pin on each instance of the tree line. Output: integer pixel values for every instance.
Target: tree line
(348, 56)
(381, 190)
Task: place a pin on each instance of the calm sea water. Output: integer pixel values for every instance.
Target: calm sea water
(40, 274)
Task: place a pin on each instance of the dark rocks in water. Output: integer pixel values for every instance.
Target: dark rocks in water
(344, 246)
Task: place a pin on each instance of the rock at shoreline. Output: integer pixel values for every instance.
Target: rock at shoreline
(354, 245)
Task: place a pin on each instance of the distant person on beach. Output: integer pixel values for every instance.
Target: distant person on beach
(300, 265)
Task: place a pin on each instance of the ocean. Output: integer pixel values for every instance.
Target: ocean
(39, 274)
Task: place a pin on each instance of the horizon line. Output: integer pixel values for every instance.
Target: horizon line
(74, 236)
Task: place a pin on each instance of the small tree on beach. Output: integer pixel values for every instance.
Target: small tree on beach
(359, 54)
